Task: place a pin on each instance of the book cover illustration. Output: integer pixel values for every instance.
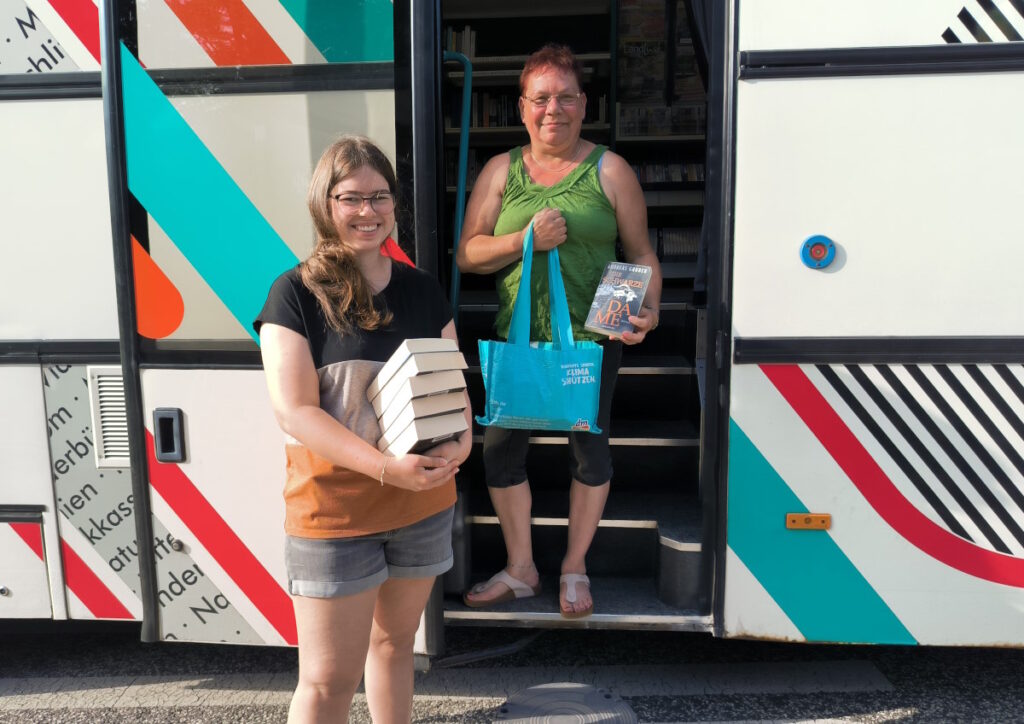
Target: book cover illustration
(620, 294)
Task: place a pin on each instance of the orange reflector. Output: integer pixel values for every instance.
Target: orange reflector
(808, 521)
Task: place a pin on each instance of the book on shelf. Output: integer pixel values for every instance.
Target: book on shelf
(430, 383)
(399, 416)
(674, 242)
(422, 433)
(406, 350)
(460, 41)
(649, 172)
(619, 295)
(658, 119)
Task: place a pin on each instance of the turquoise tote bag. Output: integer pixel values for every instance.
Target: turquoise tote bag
(541, 385)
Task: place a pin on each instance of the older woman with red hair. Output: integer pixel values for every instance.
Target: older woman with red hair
(581, 198)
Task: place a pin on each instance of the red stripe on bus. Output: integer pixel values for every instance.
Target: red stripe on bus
(32, 534)
(85, 584)
(228, 32)
(91, 591)
(83, 17)
(880, 492)
(231, 554)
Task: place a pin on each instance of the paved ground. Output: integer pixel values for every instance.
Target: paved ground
(83, 674)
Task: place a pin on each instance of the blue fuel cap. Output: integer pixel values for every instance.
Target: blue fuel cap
(818, 252)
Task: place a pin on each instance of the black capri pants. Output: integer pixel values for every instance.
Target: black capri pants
(590, 458)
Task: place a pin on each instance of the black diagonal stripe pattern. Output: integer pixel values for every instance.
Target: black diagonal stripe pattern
(1011, 381)
(1005, 515)
(973, 27)
(970, 439)
(986, 422)
(997, 497)
(893, 451)
(1000, 20)
(919, 447)
(1018, 5)
(995, 15)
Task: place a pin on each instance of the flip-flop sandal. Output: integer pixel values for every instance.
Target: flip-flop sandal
(570, 580)
(516, 589)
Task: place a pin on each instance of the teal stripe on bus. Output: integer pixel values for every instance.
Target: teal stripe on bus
(196, 202)
(355, 31)
(804, 571)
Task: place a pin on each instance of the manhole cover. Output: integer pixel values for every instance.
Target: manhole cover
(565, 704)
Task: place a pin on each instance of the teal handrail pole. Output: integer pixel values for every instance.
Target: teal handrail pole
(460, 187)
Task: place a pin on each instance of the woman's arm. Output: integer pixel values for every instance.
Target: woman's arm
(623, 190)
(458, 449)
(295, 396)
(480, 251)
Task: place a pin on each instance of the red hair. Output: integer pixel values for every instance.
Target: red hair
(551, 57)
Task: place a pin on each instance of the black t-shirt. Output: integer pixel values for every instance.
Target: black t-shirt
(414, 298)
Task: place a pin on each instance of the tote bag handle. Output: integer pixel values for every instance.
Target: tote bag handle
(561, 325)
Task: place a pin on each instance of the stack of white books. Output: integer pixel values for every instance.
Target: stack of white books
(419, 396)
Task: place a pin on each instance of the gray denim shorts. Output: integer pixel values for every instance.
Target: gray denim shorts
(332, 567)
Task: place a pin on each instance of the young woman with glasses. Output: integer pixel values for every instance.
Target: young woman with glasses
(366, 533)
(581, 198)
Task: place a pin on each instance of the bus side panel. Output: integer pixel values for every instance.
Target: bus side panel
(31, 565)
(797, 446)
(797, 24)
(57, 269)
(24, 581)
(225, 203)
(95, 504)
(916, 180)
(224, 505)
(41, 38)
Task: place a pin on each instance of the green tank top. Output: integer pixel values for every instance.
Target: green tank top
(591, 232)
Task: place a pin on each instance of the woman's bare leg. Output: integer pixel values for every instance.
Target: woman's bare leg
(333, 637)
(586, 506)
(389, 664)
(513, 505)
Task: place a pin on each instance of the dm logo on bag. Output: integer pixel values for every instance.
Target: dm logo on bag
(581, 425)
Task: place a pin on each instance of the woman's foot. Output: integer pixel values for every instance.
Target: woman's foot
(574, 597)
(515, 581)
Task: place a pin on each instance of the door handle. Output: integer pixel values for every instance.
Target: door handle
(169, 434)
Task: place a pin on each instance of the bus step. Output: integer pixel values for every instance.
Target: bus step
(619, 603)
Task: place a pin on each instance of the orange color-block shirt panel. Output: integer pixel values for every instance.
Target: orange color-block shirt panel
(323, 500)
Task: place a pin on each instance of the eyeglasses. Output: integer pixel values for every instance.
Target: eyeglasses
(565, 100)
(382, 201)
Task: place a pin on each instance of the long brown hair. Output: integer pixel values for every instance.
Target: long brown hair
(330, 272)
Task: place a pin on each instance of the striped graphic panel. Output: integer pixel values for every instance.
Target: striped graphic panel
(230, 552)
(90, 588)
(190, 195)
(935, 449)
(228, 32)
(988, 21)
(354, 32)
(842, 605)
